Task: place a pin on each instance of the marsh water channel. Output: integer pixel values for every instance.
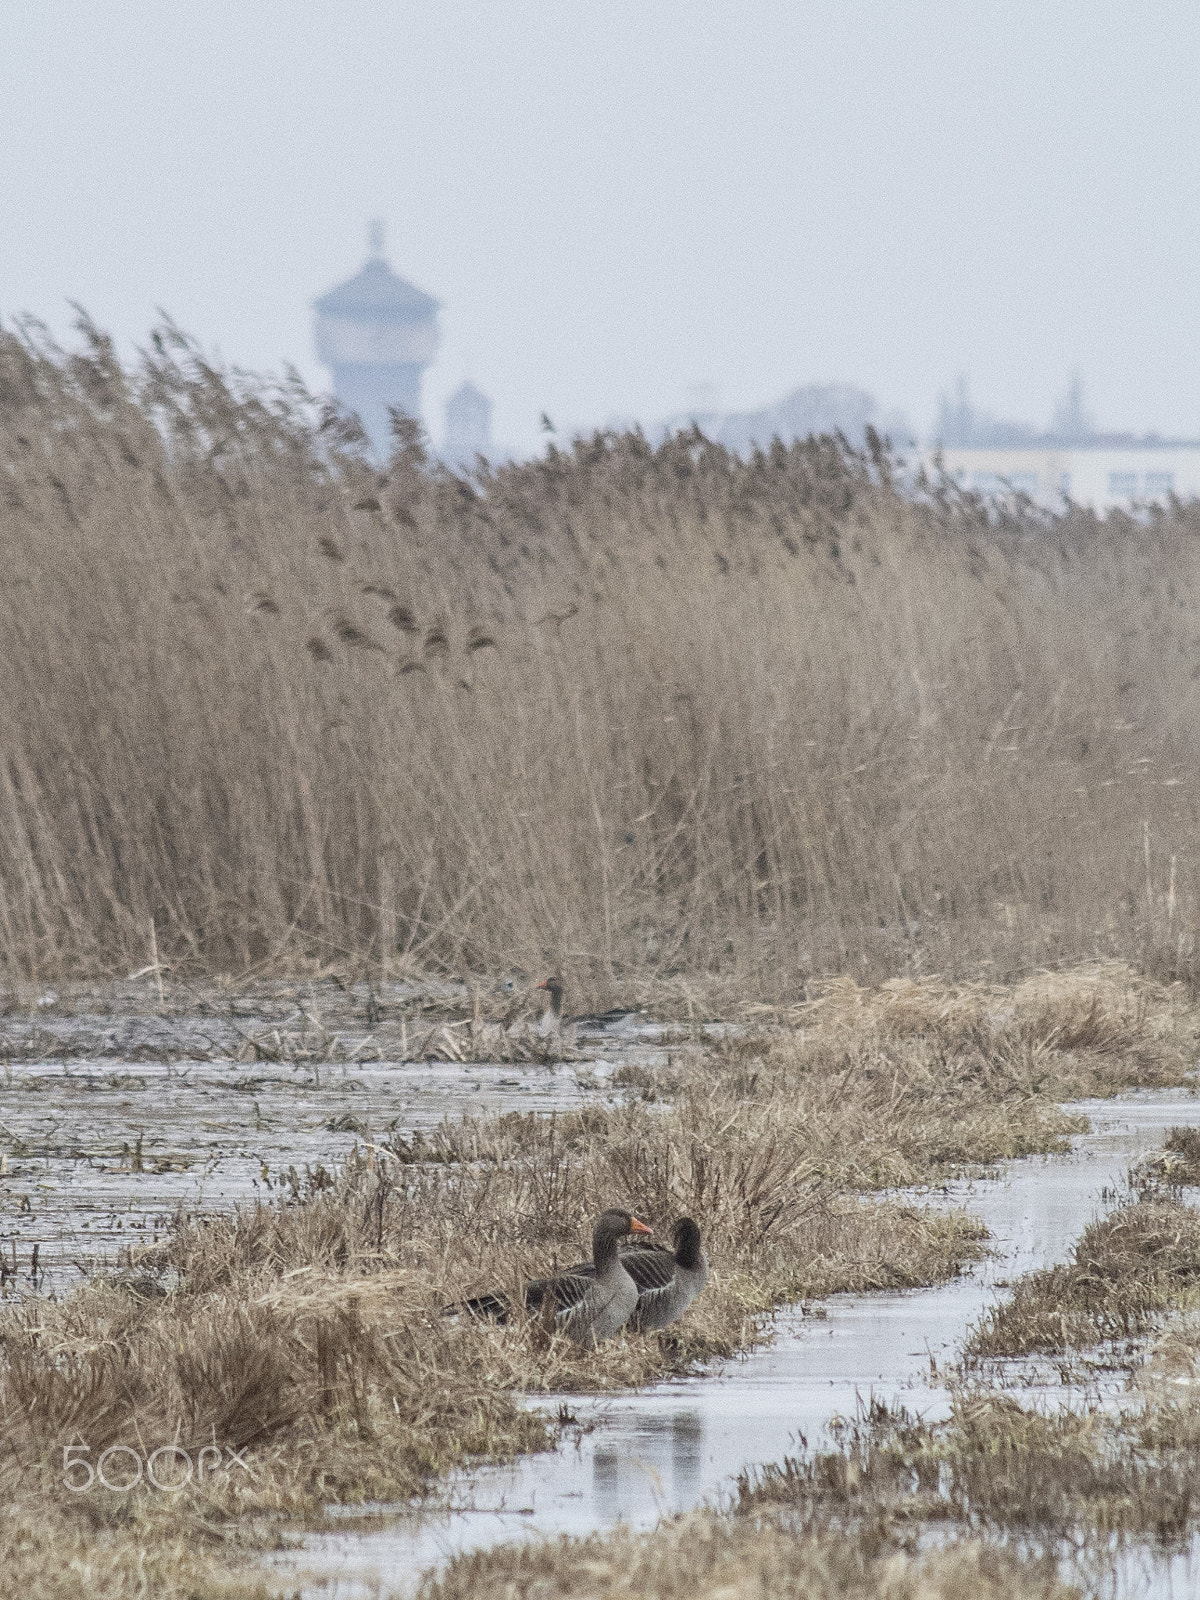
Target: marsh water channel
(645, 1455)
(112, 1122)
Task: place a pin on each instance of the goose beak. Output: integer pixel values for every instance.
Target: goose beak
(545, 984)
(639, 1227)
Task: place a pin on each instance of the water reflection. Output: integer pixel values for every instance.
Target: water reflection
(687, 1443)
(658, 1464)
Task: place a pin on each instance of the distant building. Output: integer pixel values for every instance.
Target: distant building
(377, 334)
(468, 426)
(1104, 473)
(1069, 461)
(817, 408)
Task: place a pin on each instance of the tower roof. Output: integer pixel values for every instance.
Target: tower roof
(376, 294)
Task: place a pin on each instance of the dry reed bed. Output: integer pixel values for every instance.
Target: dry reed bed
(656, 713)
(310, 1334)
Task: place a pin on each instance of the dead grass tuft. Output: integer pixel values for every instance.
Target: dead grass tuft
(59, 1552)
(1128, 1269)
(1065, 1481)
(707, 1557)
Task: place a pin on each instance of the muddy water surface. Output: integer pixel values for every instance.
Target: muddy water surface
(112, 1122)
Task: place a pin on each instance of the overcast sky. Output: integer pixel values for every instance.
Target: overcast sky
(619, 203)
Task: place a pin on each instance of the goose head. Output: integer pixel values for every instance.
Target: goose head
(612, 1226)
(685, 1236)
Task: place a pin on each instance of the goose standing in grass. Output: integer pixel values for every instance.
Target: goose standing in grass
(592, 1301)
(667, 1280)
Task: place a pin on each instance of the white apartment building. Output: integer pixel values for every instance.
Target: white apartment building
(1102, 475)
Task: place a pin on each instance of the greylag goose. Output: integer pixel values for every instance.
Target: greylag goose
(553, 1017)
(667, 1280)
(592, 1301)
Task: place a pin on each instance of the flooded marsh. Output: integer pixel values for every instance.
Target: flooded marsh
(313, 1216)
(115, 1123)
(702, 734)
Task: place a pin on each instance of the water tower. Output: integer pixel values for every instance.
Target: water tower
(468, 426)
(377, 334)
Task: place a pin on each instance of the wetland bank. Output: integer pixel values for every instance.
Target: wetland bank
(338, 762)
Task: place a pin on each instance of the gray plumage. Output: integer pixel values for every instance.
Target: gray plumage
(592, 1301)
(667, 1280)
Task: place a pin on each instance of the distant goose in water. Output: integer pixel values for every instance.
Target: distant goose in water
(667, 1280)
(553, 1018)
(592, 1301)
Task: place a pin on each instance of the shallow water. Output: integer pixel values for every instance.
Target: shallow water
(113, 1121)
(212, 1135)
(683, 1441)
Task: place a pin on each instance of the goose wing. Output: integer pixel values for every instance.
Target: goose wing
(567, 1288)
(649, 1265)
(651, 1269)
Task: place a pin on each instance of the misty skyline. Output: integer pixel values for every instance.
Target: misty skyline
(619, 209)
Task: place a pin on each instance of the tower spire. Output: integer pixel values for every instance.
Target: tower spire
(375, 235)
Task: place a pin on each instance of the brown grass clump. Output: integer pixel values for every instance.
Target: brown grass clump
(707, 1557)
(1177, 1164)
(57, 1552)
(1124, 1028)
(1067, 1481)
(655, 713)
(1127, 1269)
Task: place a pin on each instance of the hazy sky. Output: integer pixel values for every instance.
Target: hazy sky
(617, 203)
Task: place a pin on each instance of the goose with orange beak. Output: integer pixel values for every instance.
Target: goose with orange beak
(592, 1302)
(668, 1280)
